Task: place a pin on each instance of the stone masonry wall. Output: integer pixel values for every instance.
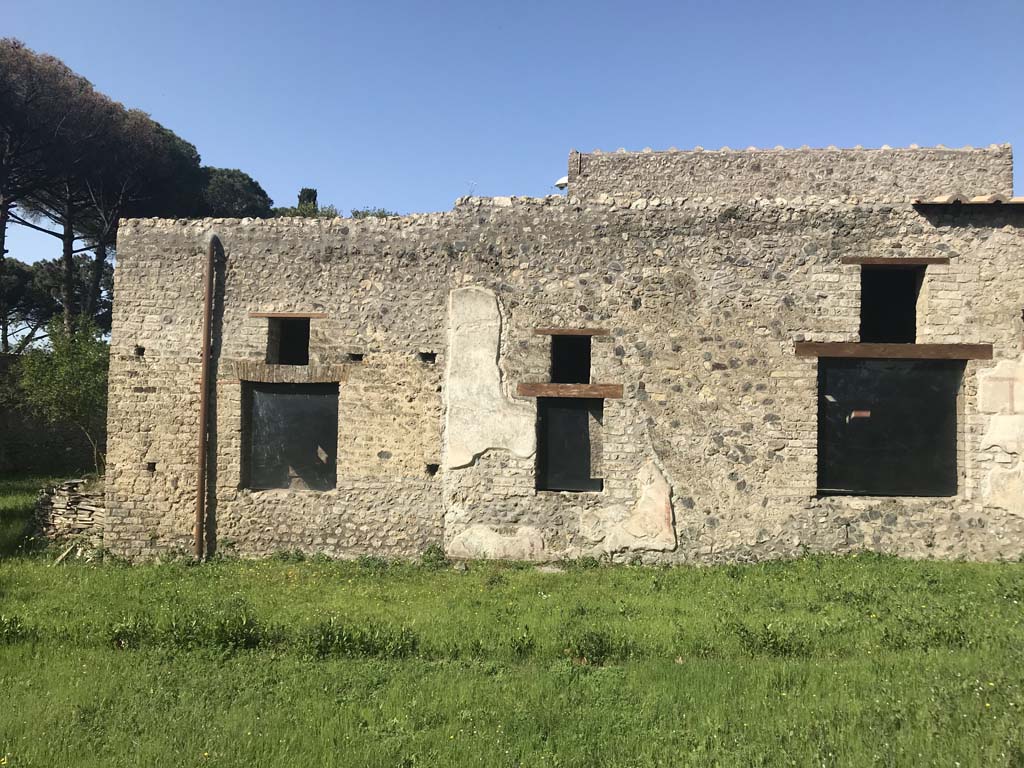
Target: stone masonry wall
(876, 175)
(709, 455)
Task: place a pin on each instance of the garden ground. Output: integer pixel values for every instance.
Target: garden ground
(852, 661)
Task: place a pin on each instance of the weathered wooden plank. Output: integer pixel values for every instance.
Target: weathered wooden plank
(895, 351)
(572, 332)
(540, 389)
(896, 261)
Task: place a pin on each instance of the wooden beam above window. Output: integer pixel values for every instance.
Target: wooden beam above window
(572, 332)
(286, 315)
(894, 351)
(895, 261)
(540, 389)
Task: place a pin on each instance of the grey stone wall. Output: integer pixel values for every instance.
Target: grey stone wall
(710, 454)
(875, 175)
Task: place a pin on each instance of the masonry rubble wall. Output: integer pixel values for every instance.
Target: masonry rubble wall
(709, 455)
(886, 175)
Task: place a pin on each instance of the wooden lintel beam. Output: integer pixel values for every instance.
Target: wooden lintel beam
(895, 261)
(572, 332)
(310, 315)
(539, 389)
(894, 351)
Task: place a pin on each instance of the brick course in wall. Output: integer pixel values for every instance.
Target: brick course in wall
(703, 300)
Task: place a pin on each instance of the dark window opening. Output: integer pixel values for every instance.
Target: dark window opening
(151, 466)
(355, 357)
(570, 359)
(888, 427)
(140, 351)
(565, 445)
(888, 303)
(288, 341)
(427, 357)
(432, 469)
(290, 436)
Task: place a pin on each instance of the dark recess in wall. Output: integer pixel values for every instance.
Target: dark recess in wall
(888, 303)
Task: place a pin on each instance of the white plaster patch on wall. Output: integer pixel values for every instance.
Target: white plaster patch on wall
(479, 417)
(1005, 488)
(1001, 393)
(648, 527)
(480, 541)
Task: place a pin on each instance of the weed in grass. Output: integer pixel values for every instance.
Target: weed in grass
(372, 563)
(185, 631)
(596, 646)
(496, 579)
(238, 630)
(523, 643)
(434, 558)
(333, 637)
(130, 633)
(14, 630)
(581, 563)
(772, 639)
(290, 556)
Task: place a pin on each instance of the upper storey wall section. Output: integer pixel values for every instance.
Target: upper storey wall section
(874, 175)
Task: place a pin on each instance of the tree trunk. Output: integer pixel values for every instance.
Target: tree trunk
(5, 342)
(68, 262)
(99, 260)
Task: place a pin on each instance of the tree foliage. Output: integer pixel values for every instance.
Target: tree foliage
(29, 299)
(74, 162)
(67, 383)
(308, 207)
(373, 213)
(231, 194)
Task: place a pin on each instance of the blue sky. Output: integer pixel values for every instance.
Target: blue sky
(409, 105)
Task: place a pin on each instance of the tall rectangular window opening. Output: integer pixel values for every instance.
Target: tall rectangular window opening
(290, 436)
(570, 359)
(888, 427)
(566, 444)
(288, 341)
(888, 303)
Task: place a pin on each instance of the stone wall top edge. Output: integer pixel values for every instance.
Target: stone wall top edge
(913, 148)
(370, 221)
(600, 203)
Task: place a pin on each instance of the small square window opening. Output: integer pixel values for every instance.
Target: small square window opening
(888, 303)
(288, 341)
(570, 359)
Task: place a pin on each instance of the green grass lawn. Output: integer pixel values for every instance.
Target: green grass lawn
(851, 661)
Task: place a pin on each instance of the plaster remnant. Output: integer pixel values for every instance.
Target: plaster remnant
(1001, 388)
(648, 527)
(1004, 488)
(480, 417)
(1005, 431)
(480, 541)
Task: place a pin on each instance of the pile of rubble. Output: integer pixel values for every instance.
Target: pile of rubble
(72, 509)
